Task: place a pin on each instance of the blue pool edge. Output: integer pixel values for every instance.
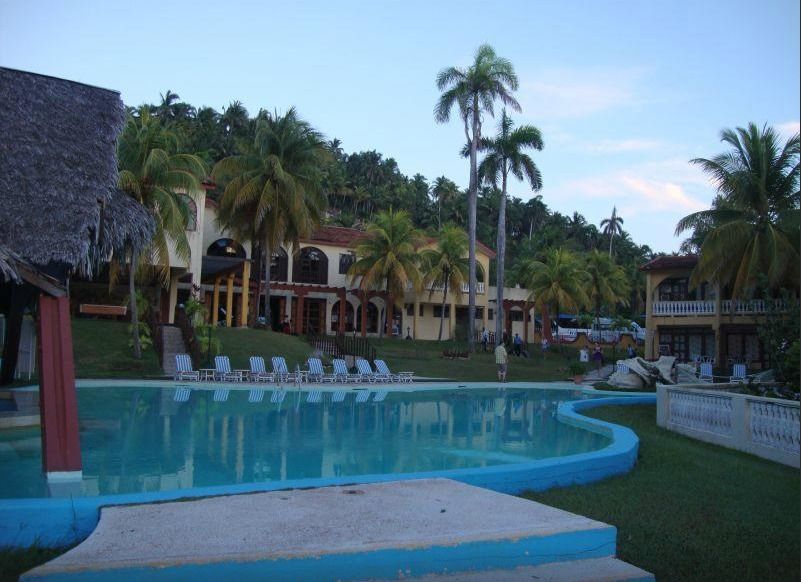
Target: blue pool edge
(55, 522)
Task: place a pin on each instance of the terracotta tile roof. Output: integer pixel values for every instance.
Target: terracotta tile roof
(350, 237)
(670, 262)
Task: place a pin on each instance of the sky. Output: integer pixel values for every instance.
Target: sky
(625, 92)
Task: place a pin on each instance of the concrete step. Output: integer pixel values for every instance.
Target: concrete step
(374, 531)
(593, 570)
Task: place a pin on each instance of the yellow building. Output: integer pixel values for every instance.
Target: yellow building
(701, 322)
(310, 288)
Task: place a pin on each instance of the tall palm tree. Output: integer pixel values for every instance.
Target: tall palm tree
(155, 174)
(558, 281)
(274, 194)
(612, 226)
(608, 283)
(444, 190)
(755, 229)
(387, 258)
(474, 91)
(446, 266)
(505, 155)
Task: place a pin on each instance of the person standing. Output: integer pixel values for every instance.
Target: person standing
(484, 339)
(598, 357)
(518, 343)
(502, 361)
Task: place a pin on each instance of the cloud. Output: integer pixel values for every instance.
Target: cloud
(788, 129)
(615, 146)
(571, 93)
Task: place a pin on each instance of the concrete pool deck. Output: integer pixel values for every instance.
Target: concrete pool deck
(369, 531)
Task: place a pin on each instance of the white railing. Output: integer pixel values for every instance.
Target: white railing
(766, 427)
(441, 288)
(683, 308)
(740, 307)
(479, 288)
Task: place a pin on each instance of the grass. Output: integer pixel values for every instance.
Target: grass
(101, 351)
(693, 511)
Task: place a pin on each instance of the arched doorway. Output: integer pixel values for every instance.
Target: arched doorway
(372, 318)
(350, 314)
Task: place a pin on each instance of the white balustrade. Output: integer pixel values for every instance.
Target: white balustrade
(683, 308)
(766, 427)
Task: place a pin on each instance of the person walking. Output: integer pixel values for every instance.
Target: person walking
(518, 343)
(502, 361)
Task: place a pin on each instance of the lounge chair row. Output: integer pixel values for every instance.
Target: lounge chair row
(280, 372)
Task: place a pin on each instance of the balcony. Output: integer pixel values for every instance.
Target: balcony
(440, 288)
(727, 307)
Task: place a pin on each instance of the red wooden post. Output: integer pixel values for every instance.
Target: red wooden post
(342, 300)
(525, 322)
(364, 314)
(546, 324)
(61, 448)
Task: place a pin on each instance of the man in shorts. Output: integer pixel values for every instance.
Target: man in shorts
(502, 360)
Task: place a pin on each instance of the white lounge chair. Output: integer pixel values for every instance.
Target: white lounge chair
(222, 370)
(317, 373)
(705, 372)
(341, 373)
(382, 368)
(367, 372)
(281, 371)
(738, 374)
(183, 368)
(258, 371)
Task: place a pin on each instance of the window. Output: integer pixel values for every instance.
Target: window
(438, 311)
(345, 261)
(226, 247)
(279, 265)
(491, 314)
(422, 310)
(310, 266)
(515, 315)
(676, 289)
(479, 312)
(410, 309)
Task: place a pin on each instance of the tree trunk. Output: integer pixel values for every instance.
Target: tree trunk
(390, 316)
(500, 269)
(472, 199)
(442, 309)
(266, 291)
(611, 237)
(137, 347)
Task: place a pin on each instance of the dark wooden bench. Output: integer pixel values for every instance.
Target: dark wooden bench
(103, 310)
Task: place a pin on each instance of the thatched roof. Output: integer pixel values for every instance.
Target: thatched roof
(57, 165)
(125, 225)
(8, 265)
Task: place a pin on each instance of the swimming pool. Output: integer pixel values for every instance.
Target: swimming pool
(151, 439)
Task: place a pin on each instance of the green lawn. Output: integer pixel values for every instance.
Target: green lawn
(693, 511)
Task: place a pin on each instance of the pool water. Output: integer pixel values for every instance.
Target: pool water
(136, 440)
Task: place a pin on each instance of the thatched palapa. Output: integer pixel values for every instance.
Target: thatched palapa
(125, 225)
(58, 169)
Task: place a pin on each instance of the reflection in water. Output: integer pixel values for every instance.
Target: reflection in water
(154, 439)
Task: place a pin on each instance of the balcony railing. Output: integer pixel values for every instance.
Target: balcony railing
(683, 308)
(727, 307)
(440, 288)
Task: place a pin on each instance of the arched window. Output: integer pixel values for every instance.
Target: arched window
(279, 265)
(191, 212)
(310, 266)
(226, 247)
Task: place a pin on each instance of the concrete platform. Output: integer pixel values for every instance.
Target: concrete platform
(377, 531)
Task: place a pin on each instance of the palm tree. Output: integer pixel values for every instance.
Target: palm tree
(274, 195)
(612, 226)
(607, 282)
(444, 190)
(153, 173)
(755, 228)
(387, 258)
(504, 155)
(446, 266)
(474, 90)
(558, 281)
